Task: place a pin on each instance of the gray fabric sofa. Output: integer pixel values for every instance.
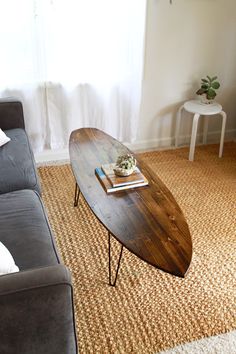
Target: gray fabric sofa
(36, 304)
(17, 166)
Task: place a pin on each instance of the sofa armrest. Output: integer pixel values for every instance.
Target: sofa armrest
(37, 314)
(11, 114)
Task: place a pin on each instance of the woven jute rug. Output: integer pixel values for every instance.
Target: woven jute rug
(150, 310)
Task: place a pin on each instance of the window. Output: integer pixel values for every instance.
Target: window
(73, 63)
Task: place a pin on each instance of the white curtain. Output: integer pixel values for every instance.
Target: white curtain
(74, 63)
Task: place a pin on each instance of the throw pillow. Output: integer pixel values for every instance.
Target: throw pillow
(7, 264)
(3, 138)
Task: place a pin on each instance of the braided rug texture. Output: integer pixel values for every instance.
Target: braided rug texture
(150, 310)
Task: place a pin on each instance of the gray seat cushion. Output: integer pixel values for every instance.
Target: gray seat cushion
(25, 231)
(17, 166)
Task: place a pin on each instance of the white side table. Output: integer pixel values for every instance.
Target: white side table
(198, 109)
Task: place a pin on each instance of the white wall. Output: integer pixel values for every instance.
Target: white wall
(186, 41)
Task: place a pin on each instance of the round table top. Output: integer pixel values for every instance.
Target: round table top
(195, 106)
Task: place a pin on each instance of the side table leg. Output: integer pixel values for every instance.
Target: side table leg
(118, 266)
(77, 193)
(205, 129)
(193, 137)
(224, 117)
(178, 120)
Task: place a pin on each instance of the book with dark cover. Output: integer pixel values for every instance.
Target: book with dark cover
(118, 181)
(106, 184)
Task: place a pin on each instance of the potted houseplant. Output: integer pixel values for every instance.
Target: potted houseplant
(209, 85)
(125, 165)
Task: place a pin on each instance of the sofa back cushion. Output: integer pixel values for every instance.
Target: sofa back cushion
(11, 113)
(18, 169)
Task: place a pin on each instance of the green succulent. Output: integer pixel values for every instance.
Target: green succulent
(126, 162)
(208, 86)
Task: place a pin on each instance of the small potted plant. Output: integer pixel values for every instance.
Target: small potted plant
(209, 85)
(125, 165)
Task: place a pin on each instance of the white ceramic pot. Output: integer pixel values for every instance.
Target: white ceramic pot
(123, 172)
(205, 100)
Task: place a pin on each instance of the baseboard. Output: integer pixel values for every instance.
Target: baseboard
(164, 143)
(62, 155)
(50, 156)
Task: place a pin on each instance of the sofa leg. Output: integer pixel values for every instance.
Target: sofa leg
(77, 193)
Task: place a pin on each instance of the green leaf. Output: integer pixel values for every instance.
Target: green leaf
(209, 78)
(214, 78)
(205, 80)
(205, 86)
(211, 94)
(215, 85)
(201, 91)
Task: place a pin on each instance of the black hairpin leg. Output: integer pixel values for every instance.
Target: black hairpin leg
(77, 193)
(118, 266)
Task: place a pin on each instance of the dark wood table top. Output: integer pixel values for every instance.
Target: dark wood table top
(146, 220)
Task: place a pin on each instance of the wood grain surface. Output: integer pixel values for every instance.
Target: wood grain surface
(146, 220)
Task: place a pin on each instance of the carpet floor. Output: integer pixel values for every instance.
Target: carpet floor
(150, 311)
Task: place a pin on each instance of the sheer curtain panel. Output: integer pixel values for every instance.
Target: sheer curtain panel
(74, 63)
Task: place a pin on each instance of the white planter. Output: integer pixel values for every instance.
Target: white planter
(124, 172)
(205, 100)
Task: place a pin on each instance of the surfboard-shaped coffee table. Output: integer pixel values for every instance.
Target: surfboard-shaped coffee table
(146, 220)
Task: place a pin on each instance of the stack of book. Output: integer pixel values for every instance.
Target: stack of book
(112, 183)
